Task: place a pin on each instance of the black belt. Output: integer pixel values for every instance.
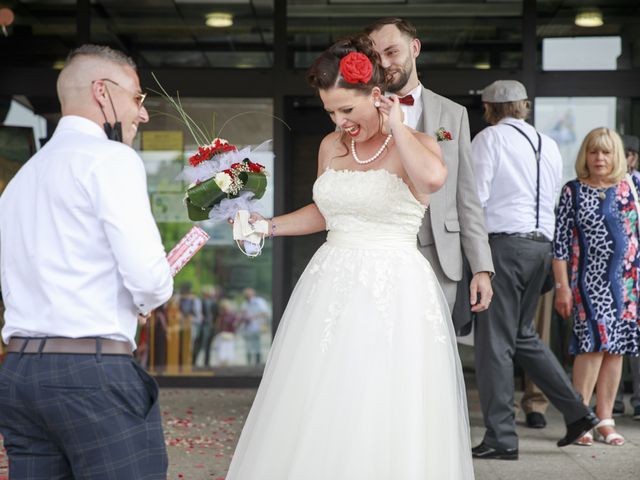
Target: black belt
(535, 236)
(87, 346)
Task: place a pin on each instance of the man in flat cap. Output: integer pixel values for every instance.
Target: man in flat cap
(518, 175)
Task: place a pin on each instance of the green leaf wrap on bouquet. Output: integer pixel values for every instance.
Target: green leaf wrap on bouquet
(195, 213)
(203, 197)
(254, 182)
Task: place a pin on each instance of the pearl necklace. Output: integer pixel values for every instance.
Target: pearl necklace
(375, 155)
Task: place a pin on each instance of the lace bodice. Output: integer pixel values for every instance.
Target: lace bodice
(375, 201)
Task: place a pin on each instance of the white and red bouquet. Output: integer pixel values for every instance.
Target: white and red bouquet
(222, 180)
(223, 183)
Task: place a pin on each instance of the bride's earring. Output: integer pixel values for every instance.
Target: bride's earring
(376, 104)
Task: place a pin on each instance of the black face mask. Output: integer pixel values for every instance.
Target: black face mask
(114, 132)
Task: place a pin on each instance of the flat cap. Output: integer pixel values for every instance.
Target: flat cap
(503, 91)
(631, 142)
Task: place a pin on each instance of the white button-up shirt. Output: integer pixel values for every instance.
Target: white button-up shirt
(80, 253)
(505, 168)
(413, 112)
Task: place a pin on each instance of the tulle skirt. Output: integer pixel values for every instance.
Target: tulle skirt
(363, 381)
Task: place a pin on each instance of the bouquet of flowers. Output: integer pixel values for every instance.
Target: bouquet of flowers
(222, 180)
(224, 183)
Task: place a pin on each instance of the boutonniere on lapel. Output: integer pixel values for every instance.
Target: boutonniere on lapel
(443, 135)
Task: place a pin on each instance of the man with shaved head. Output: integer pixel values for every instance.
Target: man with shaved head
(81, 263)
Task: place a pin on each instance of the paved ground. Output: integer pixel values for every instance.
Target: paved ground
(202, 427)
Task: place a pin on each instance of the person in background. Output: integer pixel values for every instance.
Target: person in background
(160, 322)
(226, 324)
(254, 316)
(453, 223)
(82, 262)
(631, 145)
(596, 266)
(199, 329)
(518, 174)
(190, 307)
(209, 317)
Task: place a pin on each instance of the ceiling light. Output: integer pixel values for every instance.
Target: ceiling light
(591, 17)
(219, 19)
(482, 66)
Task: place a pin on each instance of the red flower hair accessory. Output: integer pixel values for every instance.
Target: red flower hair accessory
(356, 67)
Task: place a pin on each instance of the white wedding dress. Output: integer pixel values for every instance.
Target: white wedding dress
(363, 381)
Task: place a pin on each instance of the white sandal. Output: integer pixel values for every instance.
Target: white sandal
(614, 438)
(586, 440)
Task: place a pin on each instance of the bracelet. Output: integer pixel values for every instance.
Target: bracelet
(273, 229)
(559, 285)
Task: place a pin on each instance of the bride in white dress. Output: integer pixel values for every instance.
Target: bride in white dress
(363, 381)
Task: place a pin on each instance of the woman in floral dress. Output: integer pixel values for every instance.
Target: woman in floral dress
(596, 272)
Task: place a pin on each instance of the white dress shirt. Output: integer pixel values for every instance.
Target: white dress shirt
(80, 253)
(412, 113)
(505, 168)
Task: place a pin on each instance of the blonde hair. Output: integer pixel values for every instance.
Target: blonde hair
(606, 140)
(494, 112)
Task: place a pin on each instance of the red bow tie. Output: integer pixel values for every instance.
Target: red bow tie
(406, 100)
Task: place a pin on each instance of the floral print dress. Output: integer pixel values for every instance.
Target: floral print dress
(597, 235)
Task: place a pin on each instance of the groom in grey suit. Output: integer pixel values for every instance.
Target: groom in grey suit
(454, 222)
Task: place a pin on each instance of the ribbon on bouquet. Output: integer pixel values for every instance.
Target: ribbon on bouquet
(249, 236)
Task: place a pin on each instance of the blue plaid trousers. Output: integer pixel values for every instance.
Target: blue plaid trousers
(88, 417)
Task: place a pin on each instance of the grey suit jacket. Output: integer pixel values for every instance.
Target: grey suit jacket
(454, 221)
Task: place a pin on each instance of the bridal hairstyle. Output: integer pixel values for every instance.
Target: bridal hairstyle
(324, 73)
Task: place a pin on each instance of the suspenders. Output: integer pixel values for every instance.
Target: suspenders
(537, 152)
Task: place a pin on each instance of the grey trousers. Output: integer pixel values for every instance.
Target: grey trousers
(533, 400)
(505, 332)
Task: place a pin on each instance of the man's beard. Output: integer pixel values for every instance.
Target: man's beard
(394, 86)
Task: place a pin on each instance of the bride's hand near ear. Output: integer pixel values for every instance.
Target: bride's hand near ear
(392, 114)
